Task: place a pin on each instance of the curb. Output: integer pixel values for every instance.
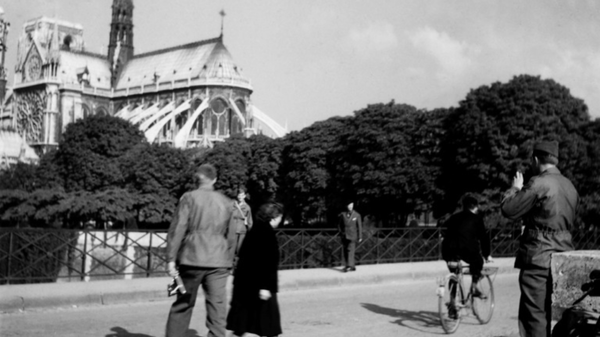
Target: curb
(40, 296)
(374, 274)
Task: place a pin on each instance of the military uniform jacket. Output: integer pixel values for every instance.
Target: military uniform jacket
(242, 216)
(547, 205)
(350, 225)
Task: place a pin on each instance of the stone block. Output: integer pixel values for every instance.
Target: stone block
(570, 270)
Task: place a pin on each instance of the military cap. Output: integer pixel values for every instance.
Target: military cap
(550, 147)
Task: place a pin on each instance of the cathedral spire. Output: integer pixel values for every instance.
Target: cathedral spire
(222, 13)
(120, 45)
(4, 26)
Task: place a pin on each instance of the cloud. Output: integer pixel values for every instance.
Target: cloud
(376, 37)
(579, 70)
(454, 57)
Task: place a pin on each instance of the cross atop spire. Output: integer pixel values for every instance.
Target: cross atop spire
(222, 13)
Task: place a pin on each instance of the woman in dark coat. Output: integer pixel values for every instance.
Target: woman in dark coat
(254, 307)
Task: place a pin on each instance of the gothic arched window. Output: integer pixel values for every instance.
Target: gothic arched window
(219, 117)
(101, 111)
(85, 111)
(237, 125)
(198, 127)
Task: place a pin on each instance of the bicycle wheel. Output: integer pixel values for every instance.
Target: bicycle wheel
(450, 295)
(483, 305)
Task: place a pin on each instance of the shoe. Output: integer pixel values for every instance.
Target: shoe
(452, 311)
(351, 269)
(345, 269)
(477, 293)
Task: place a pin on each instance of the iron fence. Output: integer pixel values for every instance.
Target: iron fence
(36, 255)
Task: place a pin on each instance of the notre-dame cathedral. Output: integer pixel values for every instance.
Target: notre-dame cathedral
(188, 95)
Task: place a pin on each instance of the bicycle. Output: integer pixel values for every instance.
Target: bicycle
(453, 303)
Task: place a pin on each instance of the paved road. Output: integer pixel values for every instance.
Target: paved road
(389, 309)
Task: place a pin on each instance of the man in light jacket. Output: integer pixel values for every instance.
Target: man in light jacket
(200, 248)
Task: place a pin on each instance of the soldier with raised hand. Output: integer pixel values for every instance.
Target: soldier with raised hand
(547, 206)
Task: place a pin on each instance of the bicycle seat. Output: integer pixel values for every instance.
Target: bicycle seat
(595, 274)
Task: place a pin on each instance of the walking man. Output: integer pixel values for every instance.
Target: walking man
(547, 205)
(200, 249)
(350, 227)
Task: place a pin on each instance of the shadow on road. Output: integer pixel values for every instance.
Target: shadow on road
(424, 321)
(120, 332)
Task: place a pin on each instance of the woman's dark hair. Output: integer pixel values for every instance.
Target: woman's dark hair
(269, 211)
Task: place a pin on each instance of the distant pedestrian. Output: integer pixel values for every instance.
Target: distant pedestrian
(242, 216)
(200, 248)
(350, 227)
(547, 205)
(254, 308)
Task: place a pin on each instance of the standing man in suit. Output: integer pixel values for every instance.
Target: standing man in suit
(350, 227)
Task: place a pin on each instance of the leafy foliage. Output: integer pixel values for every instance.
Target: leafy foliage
(382, 163)
(391, 159)
(263, 166)
(304, 173)
(490, 135)
(91, 149)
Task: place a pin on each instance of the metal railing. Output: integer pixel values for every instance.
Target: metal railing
(37, 255)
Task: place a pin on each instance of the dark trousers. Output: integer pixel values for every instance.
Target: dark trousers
(348, 249)
(475, 267)
(238, 243)
(535, 303)
(213, 281)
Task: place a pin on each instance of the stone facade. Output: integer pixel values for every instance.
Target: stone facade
(571, 270)
(187, 96)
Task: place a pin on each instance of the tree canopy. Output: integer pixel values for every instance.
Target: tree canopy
(491, 133)
(391, 159)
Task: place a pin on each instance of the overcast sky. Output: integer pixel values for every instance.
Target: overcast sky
(312, 59)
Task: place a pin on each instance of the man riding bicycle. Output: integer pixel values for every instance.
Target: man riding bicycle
(466, 239)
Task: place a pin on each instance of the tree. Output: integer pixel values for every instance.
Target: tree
(156, 176)
(102, 207)
(490, 135)
(381, 162)
(231, 160)
(263, 167)
(36, 209)
(90, 151)
(306, 186)
(20, 176)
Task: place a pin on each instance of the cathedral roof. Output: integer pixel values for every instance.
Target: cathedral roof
(74, 64)
(205, 63)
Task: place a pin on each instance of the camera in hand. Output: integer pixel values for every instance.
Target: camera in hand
(176, 285)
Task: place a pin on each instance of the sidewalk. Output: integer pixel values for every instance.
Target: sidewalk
(14, 298)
